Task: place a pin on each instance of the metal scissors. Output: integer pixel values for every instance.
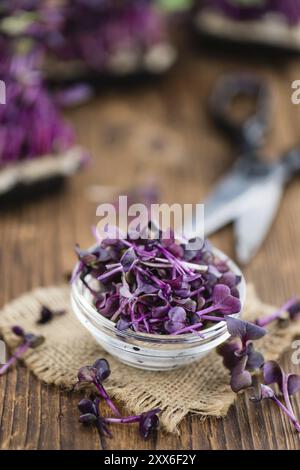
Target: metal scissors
(249, 195)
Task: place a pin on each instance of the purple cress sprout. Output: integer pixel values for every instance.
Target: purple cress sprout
(148, 421)
(90, 409)
(222, 301)
(31, 126)
(266, 392)
(95, 375)
(241, 359)
(288, 384)
(29, 341)
(158, 285)
(290, 310)
(239, 355)
(46, 315)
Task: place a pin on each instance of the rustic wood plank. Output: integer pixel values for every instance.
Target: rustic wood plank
(159, 132)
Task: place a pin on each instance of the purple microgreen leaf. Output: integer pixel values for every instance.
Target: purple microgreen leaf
(86, 374)
(91, 415)
(254, 332)
(108, 304)
(103, 369)
(46, 315)
(293, 384)
(177, 318)
(18, 331)
(128, 259)
(123, 323)
(255, 359)
(228, 351)
(188, 304)
(237, 328)
(125, 290)
(86, 406)
(149, 422)
(230, 279)
(273, 374)
(241, 379)
(244, 330)
(224, 301)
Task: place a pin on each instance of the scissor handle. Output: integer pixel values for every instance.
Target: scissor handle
(249, 134)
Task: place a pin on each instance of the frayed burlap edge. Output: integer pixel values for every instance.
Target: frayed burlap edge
(201, 388)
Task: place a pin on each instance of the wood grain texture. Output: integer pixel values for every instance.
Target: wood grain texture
(142, 133)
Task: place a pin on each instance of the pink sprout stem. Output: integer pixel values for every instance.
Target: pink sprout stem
(288, 413)
(191, 328)
(211, 318)
(104, 276)
(128, 419)
(197, 291)
(17, 354)
(210, 309)
(276, 315)
(105, 395)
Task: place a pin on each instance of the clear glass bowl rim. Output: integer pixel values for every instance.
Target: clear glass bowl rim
(207, 334)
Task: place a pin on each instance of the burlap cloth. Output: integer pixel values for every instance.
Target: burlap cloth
(200, 388)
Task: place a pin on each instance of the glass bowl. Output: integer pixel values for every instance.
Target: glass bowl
(148, 351)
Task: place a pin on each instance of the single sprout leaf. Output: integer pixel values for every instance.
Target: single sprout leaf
(272, 374)
(240, 377)
(177, 318)
(225, 301)
(244, 330)
(293, 384)
(255, 359)
(103, 369)
(128, 259)
(149, 422)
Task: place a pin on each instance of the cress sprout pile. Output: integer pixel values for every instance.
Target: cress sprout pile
(158, 286)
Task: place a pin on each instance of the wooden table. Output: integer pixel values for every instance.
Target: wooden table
(156, 131)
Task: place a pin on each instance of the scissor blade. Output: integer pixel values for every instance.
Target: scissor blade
(219, 207)
(253, 225)
(227, 201)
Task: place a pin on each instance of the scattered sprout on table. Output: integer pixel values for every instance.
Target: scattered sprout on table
(47, 314)
(29, 341)
(90, 408)
(245, 363)
(289, 311)
(96, 374)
